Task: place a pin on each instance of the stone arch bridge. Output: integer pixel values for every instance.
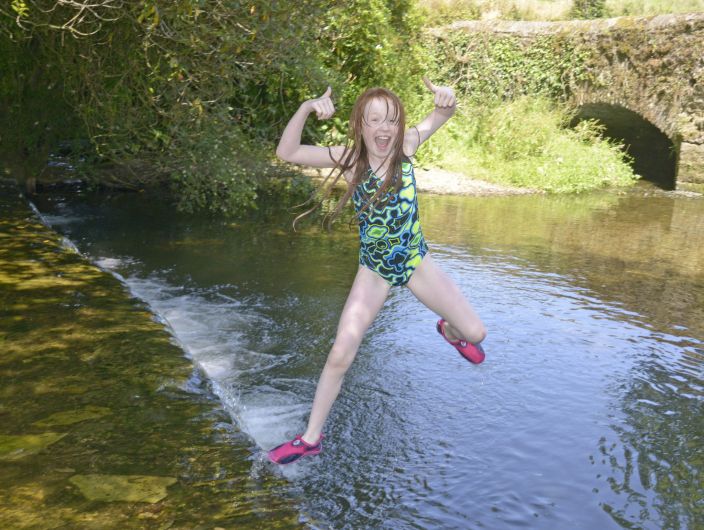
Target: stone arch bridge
(645, 84)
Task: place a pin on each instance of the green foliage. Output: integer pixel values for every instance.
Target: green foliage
(213, 167)
(191, 96)
(34, 117)
(442, 12)
(482, 66)
(216, 167)
(527, 143)
(587, 9)
(154, 84)
(368, 43)
(616, 8)
(19, 7)
(149, 80)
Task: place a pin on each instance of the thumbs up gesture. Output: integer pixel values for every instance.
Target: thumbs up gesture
(323, 106)
(444, 96)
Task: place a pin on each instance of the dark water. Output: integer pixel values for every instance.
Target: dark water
(586, 414)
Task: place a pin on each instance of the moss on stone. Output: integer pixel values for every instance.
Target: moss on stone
(16, 446)
(129, 488)
(69, 417)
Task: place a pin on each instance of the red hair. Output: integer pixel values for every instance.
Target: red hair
(355, 157)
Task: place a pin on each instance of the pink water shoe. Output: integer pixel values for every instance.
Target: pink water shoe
(291, 451)
(474, 353)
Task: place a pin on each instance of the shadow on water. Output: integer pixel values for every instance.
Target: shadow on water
(587, 413)
(653, 461)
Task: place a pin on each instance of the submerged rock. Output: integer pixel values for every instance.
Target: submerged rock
(69, 417)
(16, 446)
(132, 488)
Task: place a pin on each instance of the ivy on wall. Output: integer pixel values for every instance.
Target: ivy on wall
(481, 65)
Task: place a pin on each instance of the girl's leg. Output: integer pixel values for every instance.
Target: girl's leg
(366, 298)
(440, 294)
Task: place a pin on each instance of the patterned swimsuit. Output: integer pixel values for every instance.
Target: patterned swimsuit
(391, 242)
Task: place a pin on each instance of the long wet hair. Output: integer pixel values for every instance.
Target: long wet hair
(355, 157)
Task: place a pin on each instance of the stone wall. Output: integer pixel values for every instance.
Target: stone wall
(653, 66)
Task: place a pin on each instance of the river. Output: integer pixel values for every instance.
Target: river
(587, 412)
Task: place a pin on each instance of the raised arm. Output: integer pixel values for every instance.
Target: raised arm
(290, 148)
(445, 105)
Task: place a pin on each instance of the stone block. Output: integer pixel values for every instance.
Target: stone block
(691, 166)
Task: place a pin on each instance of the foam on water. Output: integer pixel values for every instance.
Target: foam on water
(212, 329)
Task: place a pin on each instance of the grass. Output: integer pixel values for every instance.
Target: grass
(440, 12)
(527, 143)
(617, 8)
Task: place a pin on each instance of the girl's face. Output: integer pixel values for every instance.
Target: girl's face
(380, 127)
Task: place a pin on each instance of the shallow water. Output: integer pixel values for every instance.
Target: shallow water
(103, 421)
(586, 414)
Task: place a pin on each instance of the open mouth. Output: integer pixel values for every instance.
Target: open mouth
(382, 142)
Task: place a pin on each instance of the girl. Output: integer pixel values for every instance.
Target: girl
(377, 167)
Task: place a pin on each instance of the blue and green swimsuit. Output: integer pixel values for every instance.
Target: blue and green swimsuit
(391, 242)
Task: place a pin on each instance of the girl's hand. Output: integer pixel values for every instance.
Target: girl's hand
(322, 106)
(444, 96)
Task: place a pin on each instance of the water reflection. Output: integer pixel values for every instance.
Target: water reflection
(645, 256)
(653, 463)
(645, 252)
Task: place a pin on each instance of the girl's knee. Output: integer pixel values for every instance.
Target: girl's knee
(474, 332)
(479, 334)
(340, 358)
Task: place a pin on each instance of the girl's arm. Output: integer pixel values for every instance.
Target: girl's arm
(290, 148)
(445, 105)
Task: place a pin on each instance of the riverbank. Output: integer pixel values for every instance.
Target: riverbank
(105, 422)
(438, 181)
(441, 182)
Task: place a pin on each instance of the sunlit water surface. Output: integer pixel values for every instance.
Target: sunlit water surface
(586, 414)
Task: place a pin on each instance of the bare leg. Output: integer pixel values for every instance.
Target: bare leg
(366, 298)
(440, 294)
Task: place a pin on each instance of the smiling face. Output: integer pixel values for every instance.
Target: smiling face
(380, 128)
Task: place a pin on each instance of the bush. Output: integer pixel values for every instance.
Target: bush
(213, 167)
(527, 143)
(587, 9)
